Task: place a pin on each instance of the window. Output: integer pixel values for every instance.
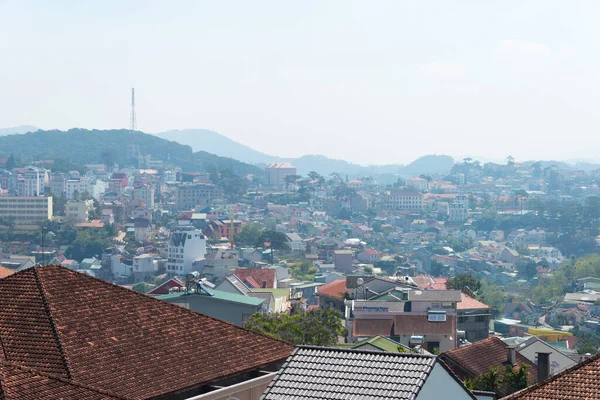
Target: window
(480, 318)
(435, 305)
(462, 320)
(436, 316)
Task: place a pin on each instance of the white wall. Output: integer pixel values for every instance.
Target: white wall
(440, 385)
(558, 361)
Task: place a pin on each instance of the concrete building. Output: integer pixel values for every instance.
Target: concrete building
(78, 211)
(190, 196)
(57, 184)
(186, 245)
(143, 192)
(275, 173)
(410, 201)
(143, 266)
(343, 260)
(85, 184)
(26, 210)
(32, 182)
(419, 184)
(457, 213)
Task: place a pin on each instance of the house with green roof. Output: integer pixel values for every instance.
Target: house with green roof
(230, 307)
(379, 343)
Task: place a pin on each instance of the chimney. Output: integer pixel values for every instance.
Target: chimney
(511, 356)
(543, 366)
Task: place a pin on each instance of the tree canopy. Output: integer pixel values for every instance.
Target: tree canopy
(466, 283)
(320, 327)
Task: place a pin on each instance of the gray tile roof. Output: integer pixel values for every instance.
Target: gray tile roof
(235, 281)
(435, 295)
(328, 373)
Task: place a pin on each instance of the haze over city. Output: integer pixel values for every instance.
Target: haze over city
(369, 83)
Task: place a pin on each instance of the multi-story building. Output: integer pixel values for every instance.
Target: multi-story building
(32, 182)
(190, 196)
(26, 210)
(275, 173)
(143, 266)
(78, 211)
(419, 184)
(410, 201)
(85, 184)
(425, 318)
(143, 192)
(473, 318)
(57, 183)
(457, 213)
(8, 181)
(187, 245)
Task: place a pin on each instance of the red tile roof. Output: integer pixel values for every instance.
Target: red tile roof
(469, 303)
(477, 358)
(4, 272)
(578, 382)
(372, 327)
(60, 322)
(165, 287)
(419, 325)
(21, 383)
(260, 275)
(335, 288)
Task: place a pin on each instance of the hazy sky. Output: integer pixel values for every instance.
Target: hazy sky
(368, 81)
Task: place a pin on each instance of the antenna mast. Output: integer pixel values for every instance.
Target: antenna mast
(133, 150)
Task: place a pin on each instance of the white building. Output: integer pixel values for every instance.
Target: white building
(275, 173)
(143, 192)
(403, 201)
(186, 245)
(457, 213)
(32, 182)
(419, 183)
(78, 211)
(94, 187)
(143, 266)
(26, 210)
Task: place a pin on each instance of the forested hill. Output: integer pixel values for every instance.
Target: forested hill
(83, 146)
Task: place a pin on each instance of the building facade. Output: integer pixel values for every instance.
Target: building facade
(190, 196)
(275, 173)
(409, 201)
(186, 246)
(26, 210)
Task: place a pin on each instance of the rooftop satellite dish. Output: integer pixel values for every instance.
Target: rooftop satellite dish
(360, 281)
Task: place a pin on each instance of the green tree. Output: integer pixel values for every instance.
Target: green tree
(320, 327)
(87, 244)
(303, 271)
(466, 283)
(249, 234)
(513, 379)
(11, 162)
(277, 240)
(527, 270)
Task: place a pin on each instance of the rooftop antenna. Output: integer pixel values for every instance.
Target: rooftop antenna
(133, 151)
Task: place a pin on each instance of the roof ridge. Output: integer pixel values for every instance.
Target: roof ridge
(377, 352)
(455, 377)
(152, 298)
(553, 377)
(60, 379)
(61, 349)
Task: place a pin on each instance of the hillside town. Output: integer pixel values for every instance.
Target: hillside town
(480, 268)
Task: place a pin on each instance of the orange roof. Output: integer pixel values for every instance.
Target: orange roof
(4, 272)
(469, 303)
(334, 288)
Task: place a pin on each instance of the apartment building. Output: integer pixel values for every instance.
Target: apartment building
(187, 245)
(409, 201)
(190, 196)
(26, 210)
(78, 211)
(275, 173)
(32, 182)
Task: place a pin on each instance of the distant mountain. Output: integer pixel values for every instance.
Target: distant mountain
(213, 142)
(17, 130)
(83, 146)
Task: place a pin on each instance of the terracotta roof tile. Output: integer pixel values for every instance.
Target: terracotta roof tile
(61, 322)
(4, 272)
(469, 303)
(372, 327)
(477, 358)
(259, 275)
(578, 382)
(419, 325)
(21, 383)
(335, 288)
